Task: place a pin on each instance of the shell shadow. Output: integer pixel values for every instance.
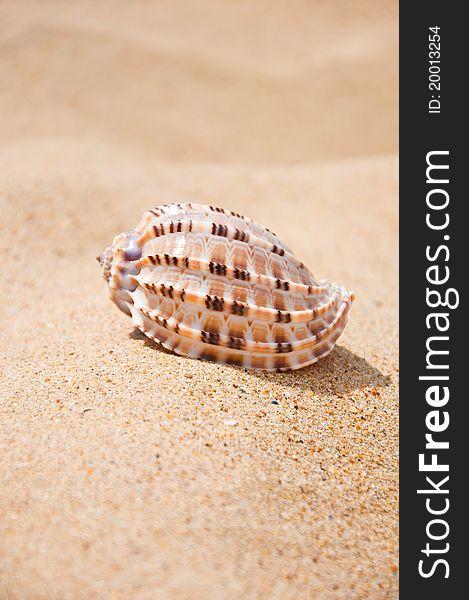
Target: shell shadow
(340, 371)
(136, 334)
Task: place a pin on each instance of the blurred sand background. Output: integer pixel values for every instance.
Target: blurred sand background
(127, 472)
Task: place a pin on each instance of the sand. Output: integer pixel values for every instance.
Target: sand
(126, 471)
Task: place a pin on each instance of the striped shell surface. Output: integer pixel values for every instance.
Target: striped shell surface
(206, 282)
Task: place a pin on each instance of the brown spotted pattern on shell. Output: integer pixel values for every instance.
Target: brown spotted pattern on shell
(206, 282)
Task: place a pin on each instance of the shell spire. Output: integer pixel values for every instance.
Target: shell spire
(209, 283)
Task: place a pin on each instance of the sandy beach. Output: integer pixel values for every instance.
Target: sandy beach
(129, 472)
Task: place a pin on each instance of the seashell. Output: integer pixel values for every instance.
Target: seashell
(210, 283)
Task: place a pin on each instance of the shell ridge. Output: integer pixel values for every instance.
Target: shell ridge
(232, 273)
(238, 343)
(224, 231)
(238, 307)
(162, 211)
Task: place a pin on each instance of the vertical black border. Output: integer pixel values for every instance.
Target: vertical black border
(420, 133)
